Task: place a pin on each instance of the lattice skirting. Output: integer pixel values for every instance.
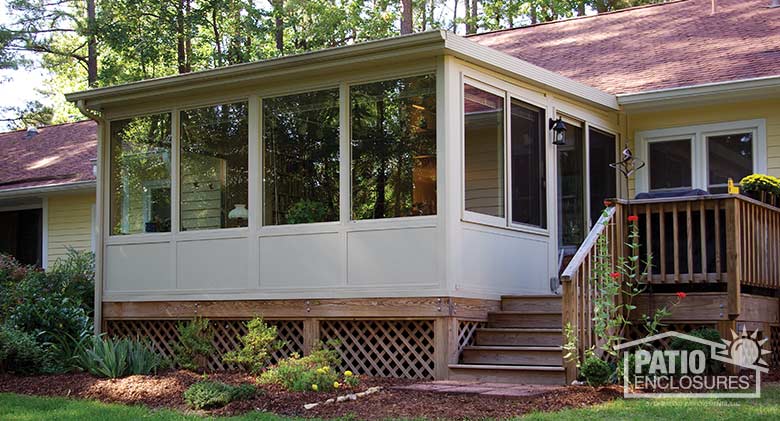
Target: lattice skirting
(635, 331)
(467, 330)
(385, 348)
(774, 346)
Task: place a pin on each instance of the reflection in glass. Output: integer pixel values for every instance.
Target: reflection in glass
(140, 184)
(603, 178)
(484, 151)
(393, 138)
(669, 163)
(529, 203)
(301, 159)
(729, 156)
(214, 167)
(571, 187)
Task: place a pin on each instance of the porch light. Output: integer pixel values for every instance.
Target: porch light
(559, 128)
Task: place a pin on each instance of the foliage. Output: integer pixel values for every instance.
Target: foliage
(195, 344)
(74, 277)
(20, 353)
(209, 394)
(712, 335)
(307, 211)
(312, 372)
(258, 346)
(760, 183)
(596, 371)
(114, 358)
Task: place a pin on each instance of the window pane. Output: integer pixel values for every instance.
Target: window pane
(571, 187)
(603, 178)
(141, 175)
(670, 164)
(214, 162)
(528, 165)
(729, 156)
(484, 149)
(394, 148)
(301, 138)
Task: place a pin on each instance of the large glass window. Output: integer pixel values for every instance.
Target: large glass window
(214, 167)
(571, 187)
(140, 185)
(728, 156)
(603, 178)
(669, 163)
(393, 139)
(484, 151)
(529, 203)
(301, 160)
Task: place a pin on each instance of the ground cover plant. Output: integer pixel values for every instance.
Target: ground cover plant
(211, 394)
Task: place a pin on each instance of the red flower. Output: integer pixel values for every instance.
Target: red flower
(681, 295)
(608, 204)
(614, 275)
(633, 218)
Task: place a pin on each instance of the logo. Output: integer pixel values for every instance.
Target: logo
(696, 368)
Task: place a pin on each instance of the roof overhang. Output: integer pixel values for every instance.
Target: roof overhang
(408, 47)
(79, 186)
(705, 94)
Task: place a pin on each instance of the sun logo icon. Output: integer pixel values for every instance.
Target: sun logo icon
(745, 350)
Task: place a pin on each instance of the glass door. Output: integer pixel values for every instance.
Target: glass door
(571, 190)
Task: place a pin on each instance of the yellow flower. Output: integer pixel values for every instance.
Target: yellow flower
(320, 371)
(326, 368)
(336, 385)
(314, 387)
(348, 373)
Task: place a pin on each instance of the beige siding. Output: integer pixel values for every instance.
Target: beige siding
(70, 224)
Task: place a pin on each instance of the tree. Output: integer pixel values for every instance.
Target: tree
(406, 17)
(33, 114)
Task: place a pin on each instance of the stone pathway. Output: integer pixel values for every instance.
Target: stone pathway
(480, 388)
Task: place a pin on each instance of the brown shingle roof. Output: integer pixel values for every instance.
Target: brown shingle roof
(661, 46)
(58, 154)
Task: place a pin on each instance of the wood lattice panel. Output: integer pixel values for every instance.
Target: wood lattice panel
(467, 330)
(164, 335)
(774, 346)
(385, 348)
(635, 331)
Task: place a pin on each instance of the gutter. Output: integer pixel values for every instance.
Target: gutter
(53, 188)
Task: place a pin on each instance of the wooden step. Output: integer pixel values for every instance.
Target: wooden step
(513, 355)
(518, 337)
(536, 303)
(512, 374)
(524, 319)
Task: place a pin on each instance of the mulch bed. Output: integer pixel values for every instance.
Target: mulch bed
(165, 391)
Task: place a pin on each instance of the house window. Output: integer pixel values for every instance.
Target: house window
(670, 164)
(140, 164)
(728, 156)
(214, 167)
(484, 151)
(393, 148)
(301, 158)
(529, 198)
(603, 178)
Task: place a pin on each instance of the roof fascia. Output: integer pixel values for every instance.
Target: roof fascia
(55, 188)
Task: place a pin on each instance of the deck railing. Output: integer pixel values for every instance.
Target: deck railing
(726, 240)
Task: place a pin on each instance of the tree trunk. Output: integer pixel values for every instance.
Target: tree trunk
(406, 17)
(278, 12)
(181, 52)
(455, 16)
(217, 37)
(471, 16)
(92, 69)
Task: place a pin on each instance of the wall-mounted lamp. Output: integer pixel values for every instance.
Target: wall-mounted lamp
(559, 129)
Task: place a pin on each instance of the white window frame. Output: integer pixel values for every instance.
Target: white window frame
(698, 135)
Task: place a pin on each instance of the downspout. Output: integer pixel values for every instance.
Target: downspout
(98, 316)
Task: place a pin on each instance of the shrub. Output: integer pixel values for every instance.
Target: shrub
(760, 183)
(195, 344)
(596, 371)
(258, 346)
(312, 372)
(682, 344)
(307, 211)
(74, 276)
(20, 353)
(209, 394)
(115, 358)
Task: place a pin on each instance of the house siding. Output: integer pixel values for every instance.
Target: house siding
(69, 223)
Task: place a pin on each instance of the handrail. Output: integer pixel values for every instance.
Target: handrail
(590, 241)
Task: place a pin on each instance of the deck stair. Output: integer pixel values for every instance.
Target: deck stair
(520, 344)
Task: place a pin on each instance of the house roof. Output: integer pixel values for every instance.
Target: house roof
(661, 46)
(57, 155)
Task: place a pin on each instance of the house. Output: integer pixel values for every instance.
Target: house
(47, 191)
(416, 197)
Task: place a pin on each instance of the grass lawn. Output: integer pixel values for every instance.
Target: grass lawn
(26, 408)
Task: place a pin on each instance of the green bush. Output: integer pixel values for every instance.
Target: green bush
(307, 211)
(312, 372)
(113, 358)
(210, 395)
(258, 346)
(682, 344)
(20, 353)
(195, 344)
(74, 276)
(596, 371)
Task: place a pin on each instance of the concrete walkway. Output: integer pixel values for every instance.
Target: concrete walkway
(480, 388)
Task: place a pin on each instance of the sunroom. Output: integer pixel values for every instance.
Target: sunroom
(399, 187)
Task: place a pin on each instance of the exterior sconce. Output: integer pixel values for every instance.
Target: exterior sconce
(559, 129)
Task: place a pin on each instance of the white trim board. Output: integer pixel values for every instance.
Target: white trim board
(698, 134)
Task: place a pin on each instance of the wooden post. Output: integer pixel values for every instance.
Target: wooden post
(569, 305)
(733, 257)
(311, 334)
(445, 346)
(725, 327)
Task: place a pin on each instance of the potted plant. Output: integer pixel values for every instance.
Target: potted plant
(761, 187)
